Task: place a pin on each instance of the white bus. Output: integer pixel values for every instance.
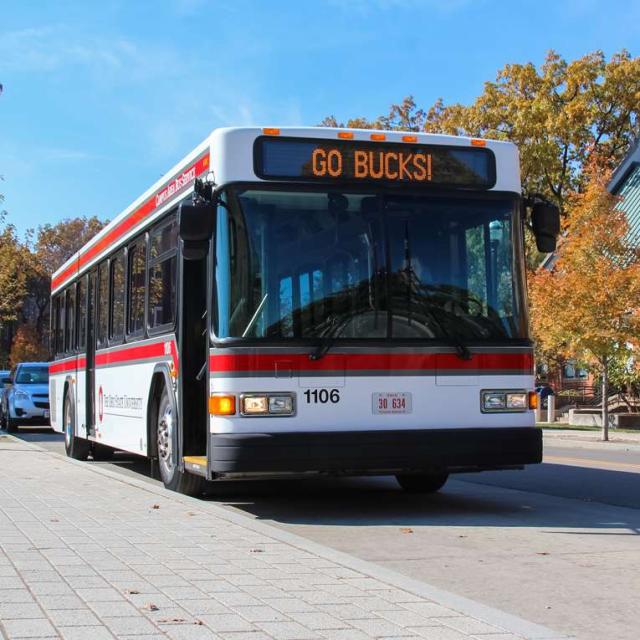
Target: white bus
(307, 301)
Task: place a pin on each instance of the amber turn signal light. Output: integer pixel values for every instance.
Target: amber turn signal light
(221, 404)
(533, 400)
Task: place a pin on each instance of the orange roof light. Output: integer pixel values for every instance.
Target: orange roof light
(409, 138)
(221, 404)
(345, 135)
(271, 131)
(378, 136)
(476, 142)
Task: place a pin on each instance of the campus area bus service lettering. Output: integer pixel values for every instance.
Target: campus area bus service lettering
(300, 301)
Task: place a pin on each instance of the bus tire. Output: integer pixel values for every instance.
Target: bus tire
(12, 425)
(422, 482)
(76, 448)
(101, 452)
(166, 436)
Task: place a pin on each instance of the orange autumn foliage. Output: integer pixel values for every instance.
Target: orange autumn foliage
(587, 305)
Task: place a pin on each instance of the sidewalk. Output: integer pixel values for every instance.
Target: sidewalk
(592, 439)
(88, 554)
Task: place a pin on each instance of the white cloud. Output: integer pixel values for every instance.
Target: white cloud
(57, 47)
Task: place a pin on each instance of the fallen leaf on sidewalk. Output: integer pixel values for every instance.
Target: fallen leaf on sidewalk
(131, 592)
(256, 550)
(150, 606)
(542, 553)
(406, 530)
(171, 620)
(155, 506)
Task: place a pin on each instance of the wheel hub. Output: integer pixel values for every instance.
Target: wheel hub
(165, 438)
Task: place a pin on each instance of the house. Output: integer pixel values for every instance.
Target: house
(625, 182)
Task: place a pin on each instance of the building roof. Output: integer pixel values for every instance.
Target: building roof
(624, 169)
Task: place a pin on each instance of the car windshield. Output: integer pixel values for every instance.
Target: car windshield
(33, 375)
(304, 264)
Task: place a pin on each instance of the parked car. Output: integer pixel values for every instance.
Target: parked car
(4, 374)
(25, 398)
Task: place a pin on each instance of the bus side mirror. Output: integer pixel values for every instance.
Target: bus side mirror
(195, 226)
(545, 221)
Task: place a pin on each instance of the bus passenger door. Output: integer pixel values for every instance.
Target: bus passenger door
(196, 229)
(91, 355)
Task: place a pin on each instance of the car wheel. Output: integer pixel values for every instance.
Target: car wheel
(422, 482)
(76, 448)
(167, 439)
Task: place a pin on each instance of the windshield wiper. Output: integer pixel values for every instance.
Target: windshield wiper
(327, 339)
(462, 351)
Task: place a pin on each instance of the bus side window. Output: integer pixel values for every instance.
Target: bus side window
(58, 339)
(137, 263)
(70, 319)
(116, 308)
(81, 303)
(162, 275)
(103, 304)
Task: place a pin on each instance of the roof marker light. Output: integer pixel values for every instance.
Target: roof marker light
(378, 136)
(345, 135)
(476, 142)
(409, 138)
(271, 131)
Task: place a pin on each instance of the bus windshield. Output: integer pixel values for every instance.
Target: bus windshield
(370, 265)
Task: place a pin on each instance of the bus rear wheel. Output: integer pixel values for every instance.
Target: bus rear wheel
(422, 482)
(76, 448)
(167, 439)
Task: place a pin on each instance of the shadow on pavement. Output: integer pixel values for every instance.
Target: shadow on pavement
(466, 500)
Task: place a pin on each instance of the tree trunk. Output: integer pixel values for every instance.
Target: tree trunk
(605, 400)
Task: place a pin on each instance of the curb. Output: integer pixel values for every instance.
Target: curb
(466, 606)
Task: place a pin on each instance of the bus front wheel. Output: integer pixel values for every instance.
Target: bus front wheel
(167, 439)
(422, 482)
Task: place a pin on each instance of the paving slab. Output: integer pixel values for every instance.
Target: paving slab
(92, 554)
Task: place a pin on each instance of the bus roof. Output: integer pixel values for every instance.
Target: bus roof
(227, 154)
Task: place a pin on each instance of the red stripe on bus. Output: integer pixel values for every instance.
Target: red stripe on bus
(70, 365)
(516, 362)
(131, 221)
(123, 355)
(138, 352)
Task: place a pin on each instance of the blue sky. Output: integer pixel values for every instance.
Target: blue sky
(100, 99)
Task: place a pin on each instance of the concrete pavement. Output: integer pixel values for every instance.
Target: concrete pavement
(86, 553)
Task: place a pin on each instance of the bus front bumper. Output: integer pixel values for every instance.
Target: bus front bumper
(373, 452)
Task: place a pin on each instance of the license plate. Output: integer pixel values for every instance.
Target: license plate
(46, 414)
(391, 402)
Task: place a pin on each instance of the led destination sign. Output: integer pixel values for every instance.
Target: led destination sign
(354, 161)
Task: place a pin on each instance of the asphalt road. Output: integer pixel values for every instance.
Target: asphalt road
(557, 543)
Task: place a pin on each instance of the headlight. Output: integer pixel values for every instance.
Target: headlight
(21, 395)
(267, 404)
(504, 401)
(517, 401)
(255, 405)
(494, 401)
(282, 405)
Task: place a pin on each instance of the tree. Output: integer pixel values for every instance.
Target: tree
(586, 306)
(52, 247)
(560, 115)
(27, 346)
(14, 259)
